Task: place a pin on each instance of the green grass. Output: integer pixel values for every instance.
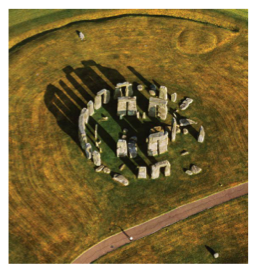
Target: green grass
(59, 206)
(223, 228)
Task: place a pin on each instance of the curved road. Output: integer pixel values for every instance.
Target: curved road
(155, 224)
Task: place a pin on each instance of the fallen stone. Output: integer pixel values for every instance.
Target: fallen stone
(184, 153)
(186, 122)
(157, 129)
(124, 137)
(100, 168)
(185, 104)
(104, 118)
(121, 167)
(178, 130)
(201, 135)
(121, 179)
(189, 172)
(195, 169)
(106, 170)
(185, 131)
(142, 172)
(174, 97)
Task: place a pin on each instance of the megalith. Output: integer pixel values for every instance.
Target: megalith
(155, 169)
(157, 143)
(123, 90)
(96, 158)
(98, 98)
(163, 92)
(157, 108)
(126, 106)
(121, 148)
(201, 135)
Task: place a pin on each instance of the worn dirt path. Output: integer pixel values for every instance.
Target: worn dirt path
(159, 222)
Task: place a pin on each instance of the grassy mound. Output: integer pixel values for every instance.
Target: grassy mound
(59, 206)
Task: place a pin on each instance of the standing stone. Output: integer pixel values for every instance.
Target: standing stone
(174, 97)
(201, 135)
(157, 143)
(96, 131)
(216, 255)
(90, 106)
(81, 36)
(125, 130)
(121, 150)
(96, 158)
(132, 148)
(155, 169)
(142, 172)
(144, 115)
(157, 108)
(138, 115)
(173, 133)
(163, 92)
(98, 102)
(178, 129)
(139, 87)
(88, 150)
(120, 179)
(126, 106)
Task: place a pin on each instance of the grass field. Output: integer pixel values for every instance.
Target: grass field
(223, 228)
(58, 205)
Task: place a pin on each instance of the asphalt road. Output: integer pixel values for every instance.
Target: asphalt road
(153, 225)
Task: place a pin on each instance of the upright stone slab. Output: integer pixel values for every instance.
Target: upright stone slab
(90, 107)
(121, 149)
(155, 169)
(201, 135)
(88, 151)
(82, 121)
(97, 102)
(174, 97)
(174, 130)
(132, 148)
(157, 108)
(157, 143)
(96, 158)
(126, 106)
(123, 90)
(163, 92)
(142, 172)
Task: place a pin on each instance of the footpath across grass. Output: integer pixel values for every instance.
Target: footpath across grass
(224, 229)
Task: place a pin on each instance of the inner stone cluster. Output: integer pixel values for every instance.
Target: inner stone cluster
(158, 139)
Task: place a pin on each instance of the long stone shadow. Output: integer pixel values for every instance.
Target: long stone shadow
(65, 104)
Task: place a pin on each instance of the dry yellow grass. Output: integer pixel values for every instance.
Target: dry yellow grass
(223, 228)
(58, 205)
